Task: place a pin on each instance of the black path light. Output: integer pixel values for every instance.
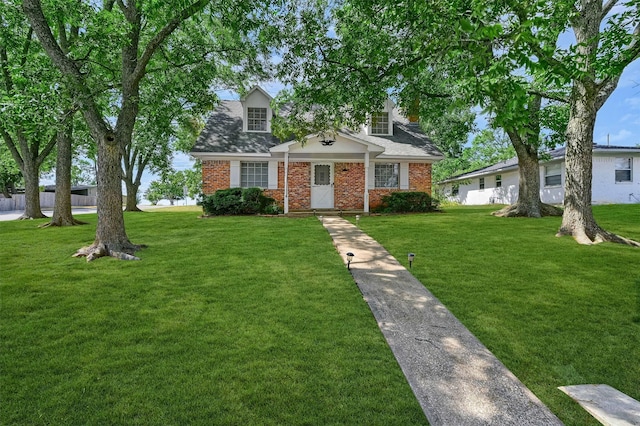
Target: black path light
(349, 259)
(411, 257)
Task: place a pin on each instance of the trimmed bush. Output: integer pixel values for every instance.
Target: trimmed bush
(238, 201)
(408, 202)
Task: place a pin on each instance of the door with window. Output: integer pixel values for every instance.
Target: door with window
(321, 186)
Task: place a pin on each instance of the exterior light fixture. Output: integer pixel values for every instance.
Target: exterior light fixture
(321, 218)
(349, 259)
(411, 257)
(357, 220)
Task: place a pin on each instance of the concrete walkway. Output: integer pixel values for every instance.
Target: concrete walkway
(456, 379)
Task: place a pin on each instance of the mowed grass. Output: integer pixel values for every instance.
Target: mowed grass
(232, 320)
(554, 312)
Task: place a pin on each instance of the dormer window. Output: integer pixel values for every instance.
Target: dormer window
(256, 119)
(380, 123)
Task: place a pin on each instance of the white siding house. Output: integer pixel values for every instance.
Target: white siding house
(616, 179)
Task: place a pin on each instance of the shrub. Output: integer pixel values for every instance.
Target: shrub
(237, 201)
(408, 202)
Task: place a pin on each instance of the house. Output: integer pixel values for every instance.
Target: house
(87, 190)
(346, 170)
(616, 179)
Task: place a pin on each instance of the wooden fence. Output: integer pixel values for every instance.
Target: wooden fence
(47, 201)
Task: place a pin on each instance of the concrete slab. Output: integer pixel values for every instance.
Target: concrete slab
(608, 405)
(455, 378)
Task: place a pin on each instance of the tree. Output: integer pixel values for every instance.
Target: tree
(62, 213)
(9, 173)
(119, 43)
(171, 187)
(380, 48)
(31, 111)
(607, 39)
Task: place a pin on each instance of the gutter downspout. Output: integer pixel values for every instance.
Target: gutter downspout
(286, 182)
(366, 182)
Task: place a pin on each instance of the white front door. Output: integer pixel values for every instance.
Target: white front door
(321, 186)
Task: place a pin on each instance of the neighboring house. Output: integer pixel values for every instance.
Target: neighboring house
(346, 170)
(88, 190)
(616, 179)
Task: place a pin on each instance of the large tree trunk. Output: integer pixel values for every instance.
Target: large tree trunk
(111, 238)
(525, 143)
(132, 196)
(31, 174)
(578, 220)
(587, 96)
(62, 215)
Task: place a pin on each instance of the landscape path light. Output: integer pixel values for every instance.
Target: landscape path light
(321, 219)
(357, 220)
(411, 257)
(349, 259)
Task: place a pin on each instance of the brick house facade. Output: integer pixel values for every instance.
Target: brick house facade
(351, 171)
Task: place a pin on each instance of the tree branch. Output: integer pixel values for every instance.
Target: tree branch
(347, 66)
(47, 148)
(4, 64)
(156, 41)
(606, 8)
(12, 147)
(548, 95)
(68, 67)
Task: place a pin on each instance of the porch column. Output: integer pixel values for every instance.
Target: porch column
(366, 182)
(286, 182)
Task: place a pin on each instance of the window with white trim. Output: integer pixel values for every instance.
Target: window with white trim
(386, 175)
(380, 123)
(256, 119)
(455, 189)
(481, 183)
(254, 174)
(498, 181)
(553, 175)
(624, 169)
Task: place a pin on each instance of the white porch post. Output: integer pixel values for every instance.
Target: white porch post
(366, 182)
(286, 182)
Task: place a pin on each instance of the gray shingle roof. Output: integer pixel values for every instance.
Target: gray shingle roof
(223, 134)
(512, 163)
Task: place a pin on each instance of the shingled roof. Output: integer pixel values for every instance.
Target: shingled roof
(512, 163)
(224, 133)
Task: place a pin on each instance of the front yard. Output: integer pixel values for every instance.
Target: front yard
(256, 320)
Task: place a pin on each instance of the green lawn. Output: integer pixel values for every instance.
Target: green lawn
(230, 321)
(257, 321)
(556, 313)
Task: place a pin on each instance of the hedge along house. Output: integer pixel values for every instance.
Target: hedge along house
(616, 179)
(351, 170)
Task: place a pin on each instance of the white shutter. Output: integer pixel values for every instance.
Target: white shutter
(404, 175)
(234, 178)
(273, 175)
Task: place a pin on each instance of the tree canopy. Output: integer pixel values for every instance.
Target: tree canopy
(122, 47)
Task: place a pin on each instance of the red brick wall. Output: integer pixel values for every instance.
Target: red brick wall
(420, 177)
(375, 196)
(419, 181)
(348, 185)
(215, 175)
(299, 186)
(278, 194)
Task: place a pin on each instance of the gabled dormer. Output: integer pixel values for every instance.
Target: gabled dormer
(257, 114)
(380, 123)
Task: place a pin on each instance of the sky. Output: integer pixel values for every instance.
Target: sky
(618, 121)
